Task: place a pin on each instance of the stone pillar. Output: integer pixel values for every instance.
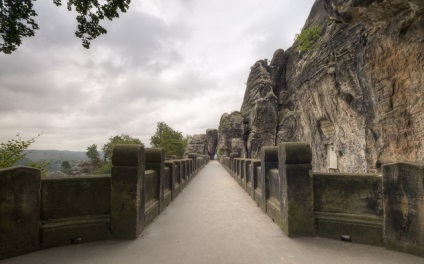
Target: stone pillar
(269, 161)
(296, 188)
(254, 176)
(193, 156)
(127, 191)
(232, 161)
(403, 188)
(19, 211)
(172, 171)
(155, 158)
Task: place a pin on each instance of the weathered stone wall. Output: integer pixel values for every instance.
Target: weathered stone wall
(19, 211)
(356, 97)
(404, 207)
(40, 213)
(74, 209)
(361, 208)
(349, 205)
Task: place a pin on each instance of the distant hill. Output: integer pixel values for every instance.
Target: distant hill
(62, 155)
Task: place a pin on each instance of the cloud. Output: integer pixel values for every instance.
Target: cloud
(183, 62)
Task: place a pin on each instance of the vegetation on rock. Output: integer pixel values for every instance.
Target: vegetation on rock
(307, 38)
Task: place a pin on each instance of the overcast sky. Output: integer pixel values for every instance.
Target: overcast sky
(183, 62)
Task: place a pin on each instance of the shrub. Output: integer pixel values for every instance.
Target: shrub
(307, 39)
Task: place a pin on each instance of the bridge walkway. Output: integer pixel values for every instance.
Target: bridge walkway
(214, 221)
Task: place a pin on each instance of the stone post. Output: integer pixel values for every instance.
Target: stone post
(254, 176)
(127, 191)
(193, 156)
(19, 211)
(269, 161)
(403, 194)
(232, 162)
(155, 158)
(172, 171)
(296, 188)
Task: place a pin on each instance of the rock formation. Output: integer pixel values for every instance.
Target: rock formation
(230, 134)
(259, 110)
(212, 141)
(357, 97)
(197, 144)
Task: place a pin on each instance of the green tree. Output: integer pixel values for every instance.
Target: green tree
(170, 140)
(115, 140)
(65, 167)
(93, 154)
(17, 19)
(41, 165)
(13, 150)
(307, 39)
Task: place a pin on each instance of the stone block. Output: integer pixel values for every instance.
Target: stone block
(269, 161)
(127, 191)
(363, 229)
(349, 205)
(172, 171)
(155, 158)
(254, 175)
(167, 187)
(295, 153)
(19, 211)
(66, 231)
(403, 185)
(296, 189)
(74, 209)
(358, 194)
(76, 196)
(151, 196)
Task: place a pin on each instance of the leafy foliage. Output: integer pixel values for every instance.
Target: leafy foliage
(41, 165)
(93, 154)
(106, 168)
(13, 150)
(170, 140)
(65, 167)
(113, 141)
(17, 19)
(307, 39)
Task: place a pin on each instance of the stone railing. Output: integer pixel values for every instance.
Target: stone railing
(381, 210)
(38, 213)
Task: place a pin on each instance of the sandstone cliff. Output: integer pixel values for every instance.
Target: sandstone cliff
(230, 134)
(357, 97)
(203, 144)
(212, 141)
(197, 144)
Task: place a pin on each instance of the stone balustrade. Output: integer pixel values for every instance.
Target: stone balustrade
(38, 213)
(380, 210)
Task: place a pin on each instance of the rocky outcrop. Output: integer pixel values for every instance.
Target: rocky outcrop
(197, 144)
(356, 97)
(230, 134)
(212, 141)
(82, 167)
(259, 109)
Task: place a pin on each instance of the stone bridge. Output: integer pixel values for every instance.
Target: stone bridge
(139, 214)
